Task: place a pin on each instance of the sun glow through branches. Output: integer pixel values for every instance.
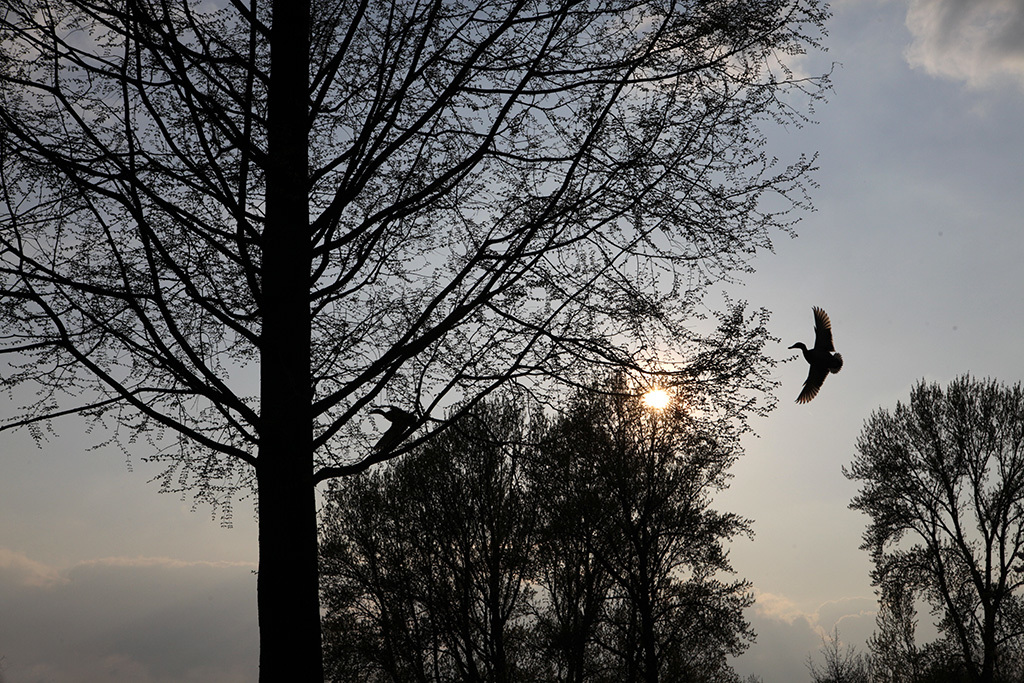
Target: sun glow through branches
(656, 398)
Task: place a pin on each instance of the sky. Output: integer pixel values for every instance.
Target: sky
(915, 250)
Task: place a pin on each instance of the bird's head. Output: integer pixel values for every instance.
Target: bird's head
(394, 414)
(798, 345)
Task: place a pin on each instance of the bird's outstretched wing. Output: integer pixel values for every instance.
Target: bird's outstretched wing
(822, 332)
(815, 378)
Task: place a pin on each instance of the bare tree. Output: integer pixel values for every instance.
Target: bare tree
(942, 480)
(839, 665)
(363, 202)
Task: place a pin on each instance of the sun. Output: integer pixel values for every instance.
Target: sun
(656, 398)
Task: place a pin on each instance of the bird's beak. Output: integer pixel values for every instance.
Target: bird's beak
(793, 346)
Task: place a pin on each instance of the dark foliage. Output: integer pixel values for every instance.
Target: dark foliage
(513, 549)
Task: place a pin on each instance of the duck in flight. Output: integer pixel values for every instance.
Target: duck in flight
(821, 358)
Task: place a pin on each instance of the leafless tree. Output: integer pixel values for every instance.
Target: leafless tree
(839, 665)
(362, 202)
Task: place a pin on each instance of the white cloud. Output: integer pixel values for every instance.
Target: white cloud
(849, 615)
(18, 570)
(778, 607)
(787, 634)
(979, 42)
(142, 619)
(823, 619)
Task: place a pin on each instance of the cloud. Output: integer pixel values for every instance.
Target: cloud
(979, 42)
(778, 608)
(18, 570)
(823, 619)
(788, 634)
(146, 620)
(849, 615)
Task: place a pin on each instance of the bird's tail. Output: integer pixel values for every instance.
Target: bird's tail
(837, 363)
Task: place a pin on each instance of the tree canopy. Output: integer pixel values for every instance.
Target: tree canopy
(517, 547)
(942, 481)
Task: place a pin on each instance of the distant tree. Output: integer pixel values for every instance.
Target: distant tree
(839, 665)
(371, 202)
(942, 480)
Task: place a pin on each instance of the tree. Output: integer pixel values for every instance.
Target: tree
(635, 511)
(895, 655)
(427, 564)
(839, 665)
(473, 559)
(575, 586)
(363, 202)
(942, 480)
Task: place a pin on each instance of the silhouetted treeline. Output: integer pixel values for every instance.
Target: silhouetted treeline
(936, 662)
(520, 547)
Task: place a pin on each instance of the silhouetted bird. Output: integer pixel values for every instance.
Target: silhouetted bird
(821, 357)
(401, 423)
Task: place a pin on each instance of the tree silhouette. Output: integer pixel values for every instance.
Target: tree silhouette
(942, 480)
(476, 559)
(896, 656)
(427, 564)
(839, 665)
(628, 489)
(365, 202)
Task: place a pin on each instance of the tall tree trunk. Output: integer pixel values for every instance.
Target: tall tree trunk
(988, 640)
(288, 598)
(288, 592)
(648, 641)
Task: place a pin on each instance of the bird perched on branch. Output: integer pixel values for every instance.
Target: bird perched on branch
(402, 422)
(822, 358)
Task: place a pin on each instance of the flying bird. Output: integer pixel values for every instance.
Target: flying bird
(402, 422)
(821, 358)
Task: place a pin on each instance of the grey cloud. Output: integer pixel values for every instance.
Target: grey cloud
(979, 42)
(125, 619)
